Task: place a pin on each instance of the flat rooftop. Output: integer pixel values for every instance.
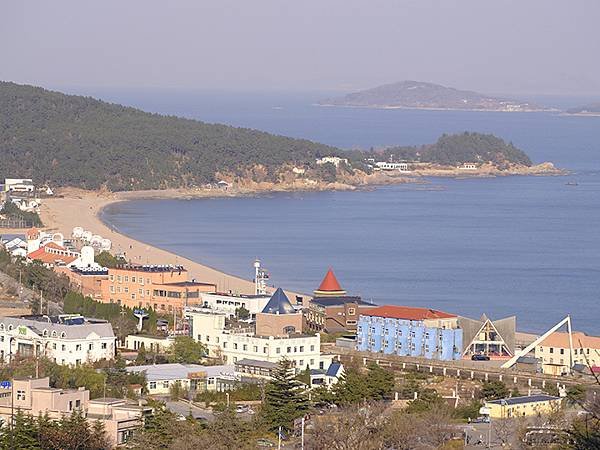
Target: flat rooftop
(152, 268)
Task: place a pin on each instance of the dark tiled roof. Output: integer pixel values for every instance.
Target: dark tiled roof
(256, 363)
(333, 369)
(279, 304)
(338, 301)
(525, 399)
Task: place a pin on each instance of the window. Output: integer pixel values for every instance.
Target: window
(301, 348)
(265, 350)
(350, 322)
(551, 349)
(119, 279)
(301, 363)
(245, 347)
(289, 349)
(132, 296)
(111, 277)
(127, 278)
(90, 346)
(312, 348)
(224, 344)
(217, 339)
(235, 346)
(152, 385)
(20, 395)
(255, 349)
(278, 350)
(312, 362)
(103, 346)
(70, 407)
(77, 404)
(54, 346)
(112, 288)
(63, 347)
(78, 347)
(199, 338)
(351, 311)
(562, 351)
(133, 279)
(118, 288)
(126, 290)
(166, 384)
(207, 338)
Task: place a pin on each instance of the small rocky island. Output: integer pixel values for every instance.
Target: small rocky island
(592, 109)
(421, 95)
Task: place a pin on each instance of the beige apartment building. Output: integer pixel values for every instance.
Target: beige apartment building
(164, 288)
(34, 396)
(554, 352)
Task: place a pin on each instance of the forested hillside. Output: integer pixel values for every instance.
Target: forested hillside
(457, 149)
(69, 140)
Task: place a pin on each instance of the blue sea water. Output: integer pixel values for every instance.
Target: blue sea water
(528, 246)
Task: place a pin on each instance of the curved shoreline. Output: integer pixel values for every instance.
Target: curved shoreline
(83, 208)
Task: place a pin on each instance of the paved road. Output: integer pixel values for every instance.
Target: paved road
(184, 409)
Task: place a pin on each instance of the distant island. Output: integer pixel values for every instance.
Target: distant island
(74, 141)
(421, 95)
(593, 109)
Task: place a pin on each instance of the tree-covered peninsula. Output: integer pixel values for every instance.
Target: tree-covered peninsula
(76, 141)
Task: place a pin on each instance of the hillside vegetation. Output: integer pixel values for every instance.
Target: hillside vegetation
(457, 149)
(68, 140)
(78, 141)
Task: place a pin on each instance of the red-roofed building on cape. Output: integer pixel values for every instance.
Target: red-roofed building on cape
(333, 311)
(410, 331)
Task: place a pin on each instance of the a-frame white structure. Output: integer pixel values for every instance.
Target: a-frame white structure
(567, 320)
(488, 340)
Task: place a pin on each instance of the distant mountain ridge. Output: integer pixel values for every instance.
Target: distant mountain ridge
(422, 95)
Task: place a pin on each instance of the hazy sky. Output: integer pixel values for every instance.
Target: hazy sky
(512, 46)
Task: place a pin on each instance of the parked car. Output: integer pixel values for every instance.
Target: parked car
(480, 358)
(240, 409)
(264, 443)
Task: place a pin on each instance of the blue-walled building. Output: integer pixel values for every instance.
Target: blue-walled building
(408, 331)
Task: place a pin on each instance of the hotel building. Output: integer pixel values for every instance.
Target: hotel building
(408, 331)
(532, 405)
(164, 288)
(554, 352)
(66, 339)
(276, 336)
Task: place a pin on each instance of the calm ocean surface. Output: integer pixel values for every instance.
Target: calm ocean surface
(528, 246)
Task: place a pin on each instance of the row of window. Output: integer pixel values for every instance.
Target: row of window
(255, 349)
(562, 350)
(134, 279)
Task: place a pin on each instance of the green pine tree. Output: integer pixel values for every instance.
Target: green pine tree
(284, 398)
(24, 434)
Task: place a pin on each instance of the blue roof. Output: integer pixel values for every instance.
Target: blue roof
(334, 369)
(524, 399)
(279, 304)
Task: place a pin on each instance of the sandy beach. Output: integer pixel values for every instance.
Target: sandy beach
(82, 208)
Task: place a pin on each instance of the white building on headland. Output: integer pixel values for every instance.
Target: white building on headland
(66, 339)
(19, 185)
(382, 165)
(233, 345)
(468, 166)
(335, 160)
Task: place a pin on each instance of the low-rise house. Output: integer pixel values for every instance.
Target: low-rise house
(327, 377)
(156, 344)
(160, 378)
(14, 244)
(65, 339)
(554, 352)
(410, 331)
(19, 185)
(255, 368)
(532, 405)
(119, 417)
(335, 160)
(35, 397)
(53, 255)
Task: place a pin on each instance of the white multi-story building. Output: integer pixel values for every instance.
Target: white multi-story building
(208, 327)
(228, 304)
(66, 339)
(19, 185)
(382, 165)
(335, 160)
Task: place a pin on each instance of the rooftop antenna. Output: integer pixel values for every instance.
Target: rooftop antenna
(261, 276)
(141, 315)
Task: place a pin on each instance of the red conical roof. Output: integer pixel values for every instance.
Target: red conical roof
(330, 283)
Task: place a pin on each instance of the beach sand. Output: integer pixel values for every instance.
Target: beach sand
(79, 208)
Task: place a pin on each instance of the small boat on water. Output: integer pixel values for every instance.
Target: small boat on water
(572, 183)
